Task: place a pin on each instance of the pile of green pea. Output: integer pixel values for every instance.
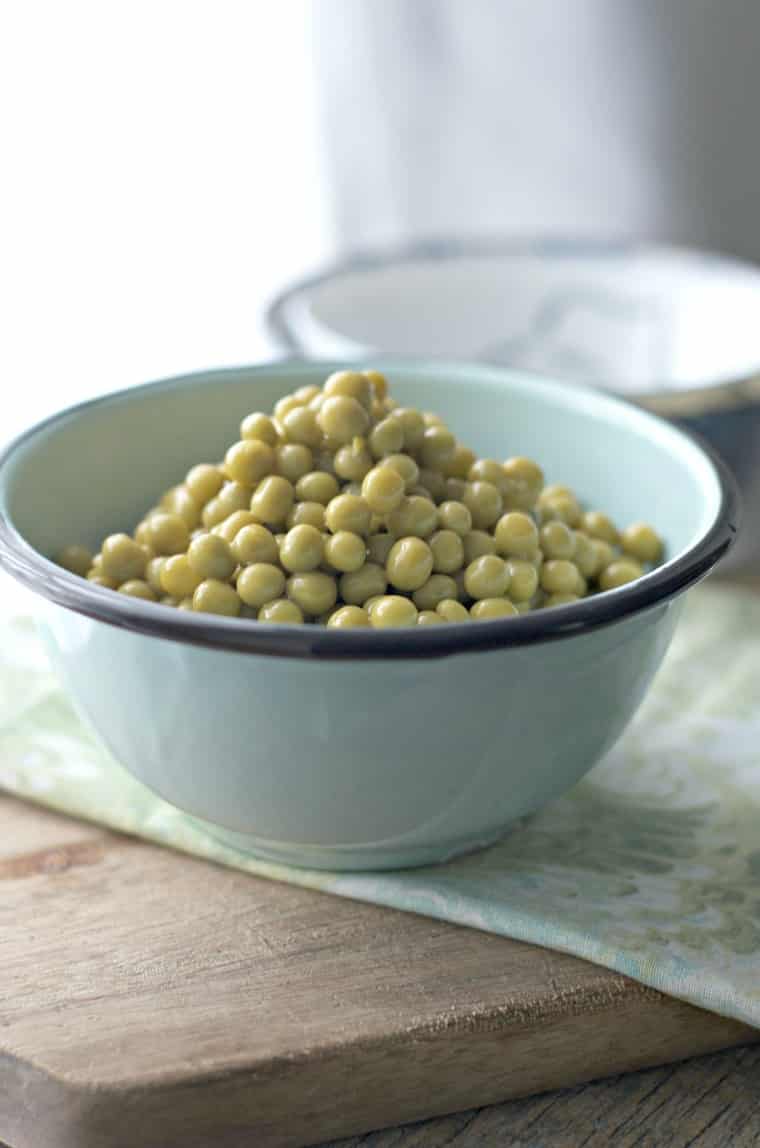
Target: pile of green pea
(343, 508)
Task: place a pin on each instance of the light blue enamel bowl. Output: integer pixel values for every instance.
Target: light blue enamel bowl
(357, 749)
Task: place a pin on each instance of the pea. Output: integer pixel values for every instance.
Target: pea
(487, 577)
(313, 593)
(102, 580)
(487, 470)
(180, 501)
(346, 551)
(386, 438)
(559, 576)
(455, 488)
(413, 516)
(516, 534)
(293, 460)
(308, 513)
(477, 543)
(448, 551)
(487, 608)
(307, 393)
(557, 540)
(525, 480)
(317, 486)
(178, 578)
(137, 588)
(230, 527)
(233, 496)
(437, 447)
(122, 558)
(253, 544)
(560, 599)
(484, 502)
(300, 426)
(210, 557)
(561, 508)
(379, 547)
(585, 556)
(458, 466)
(284, 405)
(392, 611)
(523, 579)
(141, 534)
(604, 554)
(153, 574)
(347, 617)
(214, 597)
(454, 515)
(554, 490)
(642, 542)
(272, 500)
(438, 588)
(350, 384)
(409, 564)
(260, 427)
(204, 481)
(598, 525)
(378, 382)
(353, 462)
(302, 550)
(383, 489)
(434, 483)
(281, 611)
(76, 559)
(619, 573)
(341, 418)
(260, 583)
(248, 461)
(366, 582)
(325, 461)
(413, 426)
(348, 512)
(452, 611)
(405, 466)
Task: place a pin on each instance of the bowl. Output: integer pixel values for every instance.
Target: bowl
(357, 749)
(673, 329)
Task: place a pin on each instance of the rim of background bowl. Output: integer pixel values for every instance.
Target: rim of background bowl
(686, 402)
(44, 577)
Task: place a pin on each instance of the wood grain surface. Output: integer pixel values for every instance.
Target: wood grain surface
(150, 1000)
(709, 1102)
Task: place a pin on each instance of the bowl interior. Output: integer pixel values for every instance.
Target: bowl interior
(97, 468)
(629, 318)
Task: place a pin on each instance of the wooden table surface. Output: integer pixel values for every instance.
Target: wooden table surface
(708, 1102)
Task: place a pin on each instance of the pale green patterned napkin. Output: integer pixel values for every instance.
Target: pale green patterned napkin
(650, 866)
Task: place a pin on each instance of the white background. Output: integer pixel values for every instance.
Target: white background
(160, 179)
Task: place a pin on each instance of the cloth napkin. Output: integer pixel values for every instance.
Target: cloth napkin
(650, 866)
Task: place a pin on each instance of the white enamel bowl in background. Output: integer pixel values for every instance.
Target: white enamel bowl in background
(343, 749)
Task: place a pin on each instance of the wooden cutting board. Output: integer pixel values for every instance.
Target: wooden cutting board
(149, 1000)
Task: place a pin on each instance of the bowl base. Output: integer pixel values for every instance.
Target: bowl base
(337, 858)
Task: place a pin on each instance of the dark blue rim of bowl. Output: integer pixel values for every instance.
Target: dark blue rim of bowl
(742, 391)
(45, 578)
